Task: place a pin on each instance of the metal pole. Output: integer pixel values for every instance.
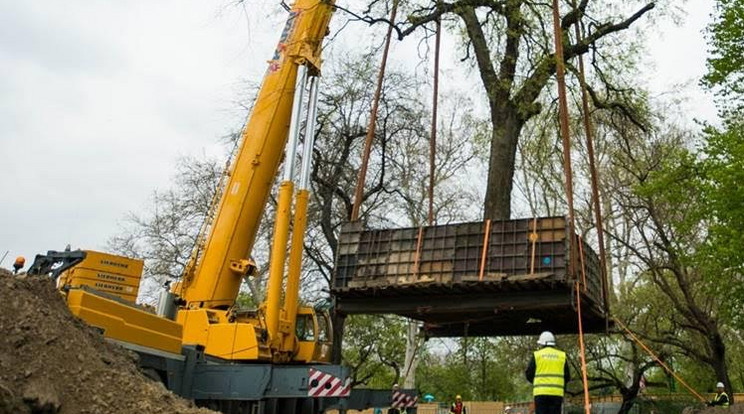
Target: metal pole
(283, 213)
(299, 225)
(310, 124)
(294, 125)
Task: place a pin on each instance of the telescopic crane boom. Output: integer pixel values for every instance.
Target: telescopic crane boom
(212, 281)
(215, 281)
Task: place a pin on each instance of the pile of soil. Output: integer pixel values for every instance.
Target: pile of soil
(52, 362)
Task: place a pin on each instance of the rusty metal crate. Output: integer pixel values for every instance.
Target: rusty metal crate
(480, 278)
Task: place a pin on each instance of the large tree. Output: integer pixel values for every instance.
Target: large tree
(658, 191)
(721, 165)
(511, 44)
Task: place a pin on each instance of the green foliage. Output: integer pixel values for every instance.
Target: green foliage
(722, 169)
(726, 41)
(374, 347)
(701, 196)
(478, 369)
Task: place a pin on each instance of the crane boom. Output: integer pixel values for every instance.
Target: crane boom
(216, 279)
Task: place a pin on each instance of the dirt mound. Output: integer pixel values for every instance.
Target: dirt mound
(51, 362)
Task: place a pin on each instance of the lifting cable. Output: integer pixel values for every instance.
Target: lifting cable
(566, 139)
(372, 126)
(584, 380)
(432, 161)
(433, 140)
(432, 166)
(659, 361)
(594, 176)
(564, 130)
(533, 237)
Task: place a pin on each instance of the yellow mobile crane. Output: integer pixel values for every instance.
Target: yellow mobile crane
(207, 292)
(198, 342)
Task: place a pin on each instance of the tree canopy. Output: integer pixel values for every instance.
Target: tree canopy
(726, 53)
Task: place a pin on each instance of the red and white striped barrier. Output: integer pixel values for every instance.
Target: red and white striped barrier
(403, 400)
(322, 384)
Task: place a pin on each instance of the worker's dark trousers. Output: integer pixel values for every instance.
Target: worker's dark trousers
(548, 404)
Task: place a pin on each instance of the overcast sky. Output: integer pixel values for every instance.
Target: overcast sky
(98, 100)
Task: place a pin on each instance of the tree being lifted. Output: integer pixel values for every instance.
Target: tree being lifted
(512, 47)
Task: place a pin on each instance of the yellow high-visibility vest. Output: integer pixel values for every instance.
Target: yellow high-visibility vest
(718, 398)
(549, 379)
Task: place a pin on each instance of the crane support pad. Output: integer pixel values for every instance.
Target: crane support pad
(493, 278)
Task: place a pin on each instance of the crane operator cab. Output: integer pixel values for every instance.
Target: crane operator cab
(314, 335)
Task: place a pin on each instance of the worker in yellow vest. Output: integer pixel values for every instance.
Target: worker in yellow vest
(721, 399)
(548, 373)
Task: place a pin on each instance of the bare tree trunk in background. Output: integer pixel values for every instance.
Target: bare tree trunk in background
(607, 212)
(411, 361)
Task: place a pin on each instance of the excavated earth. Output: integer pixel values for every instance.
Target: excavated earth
(51, 362)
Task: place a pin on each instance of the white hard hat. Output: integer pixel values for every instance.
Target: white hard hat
(546, 338)
(720, 385)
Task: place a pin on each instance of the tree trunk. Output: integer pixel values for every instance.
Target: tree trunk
(718, 355)
(507, 126)
(630, 394)
(626, 405)
(411, 359)
(338, 321)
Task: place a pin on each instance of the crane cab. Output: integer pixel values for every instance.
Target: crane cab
(314, 336)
